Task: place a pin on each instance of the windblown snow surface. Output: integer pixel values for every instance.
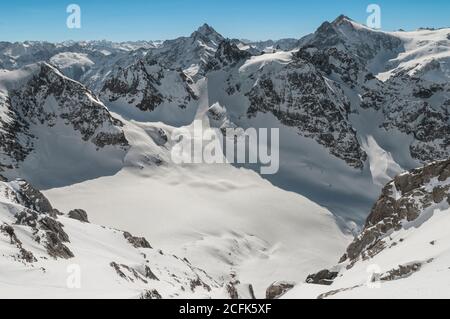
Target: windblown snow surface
(227, 220)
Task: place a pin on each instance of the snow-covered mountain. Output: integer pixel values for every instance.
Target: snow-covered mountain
(268, 46)
(54, 131)
(86, 61)
(346, 94)
(89, 124)
(47, 254)
(403, 250)
(68, 138)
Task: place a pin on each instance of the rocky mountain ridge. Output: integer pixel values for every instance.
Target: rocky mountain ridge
(38, 102)
(402, 248)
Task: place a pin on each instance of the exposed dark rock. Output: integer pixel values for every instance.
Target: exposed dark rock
(79, 214)
(150, 294)
(24, 254)
(137, 242)
(423, 93)
(302, 98)
(232, 291)
(335, 292)
(251, 291)
(27, 256)
(403, 271)
(56, 248)
(149, 274)
(55, 238)
(141, 88)
(13, 125)
(439, 194)
(103, 139)
(76, 106)
(323, 277)
(51, 225)
(400, 98)
(116, 267)
(136, 275)
(227, 54)
(27, 217)
(278, 289)
(199, 283)
(401, 201)
(159, 136)
(10, 232)
(54, 234)
(34, 199)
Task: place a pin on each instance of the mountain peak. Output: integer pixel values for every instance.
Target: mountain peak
(205, 28)
(329, 28)
(340, 19)
(207, 31)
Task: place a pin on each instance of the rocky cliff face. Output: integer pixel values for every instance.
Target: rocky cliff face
(49, 96)
(403, 201)
(301, 97)
(346, 35)
(228, 54)
(146, 85)
(190, 54)
(38, 102)
(166, 75)
(412, 100)
(416, 107)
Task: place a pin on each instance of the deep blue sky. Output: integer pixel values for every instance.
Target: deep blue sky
(121, 20)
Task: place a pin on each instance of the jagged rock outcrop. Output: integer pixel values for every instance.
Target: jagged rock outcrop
(278, 289)
(151, 294)
(403, 237)
(79, 214)
(227, 55)
(75, 105)
(402, 201)
(166, 75)
(324, 277)
(36, 212)
(23, 255)
(346, 35)
(189, 54)
(145, 86)
(137, 242)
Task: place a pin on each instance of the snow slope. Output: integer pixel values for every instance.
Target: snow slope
(176, 207)
(425, 55)
(47, 255)
(203, 212)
